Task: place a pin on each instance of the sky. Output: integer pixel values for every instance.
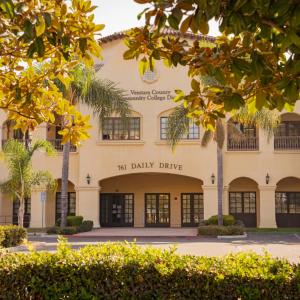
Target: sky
(118, 15)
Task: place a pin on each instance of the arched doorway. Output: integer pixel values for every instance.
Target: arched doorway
(243, 199)
(151, 200)
(287, 202)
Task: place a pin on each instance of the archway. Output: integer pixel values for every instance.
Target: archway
(287, 202)
(151, 200)
(243, 200)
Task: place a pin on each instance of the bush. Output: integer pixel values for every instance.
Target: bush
(215, 230)
(74, 220)
(69, 230)
(228, 220)
(86, 226)
(120, 271)
(53, 230)
(12, 235)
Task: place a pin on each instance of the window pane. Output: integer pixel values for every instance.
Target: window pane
(118, 129)
(281, 202)
(192, 134)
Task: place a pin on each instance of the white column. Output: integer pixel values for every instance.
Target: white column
(210, 198)
(88, 204)
(38, 209)
(266, 207)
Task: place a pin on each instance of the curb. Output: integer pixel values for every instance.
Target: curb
(232, 236)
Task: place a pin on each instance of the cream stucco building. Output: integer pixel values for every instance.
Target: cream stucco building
(130, 177)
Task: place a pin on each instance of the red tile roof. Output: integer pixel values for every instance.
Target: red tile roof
(167, 31)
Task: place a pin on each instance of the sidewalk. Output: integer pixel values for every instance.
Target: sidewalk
(139, 232)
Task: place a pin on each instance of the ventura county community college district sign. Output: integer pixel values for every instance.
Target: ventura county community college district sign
(160, 95)
(149, 165)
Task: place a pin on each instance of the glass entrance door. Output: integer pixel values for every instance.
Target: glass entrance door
(116, 210)
(192, 210)
(157, 210)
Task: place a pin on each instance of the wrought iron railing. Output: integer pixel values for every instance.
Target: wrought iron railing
(57, 144)
(242, 144)
(287, 142)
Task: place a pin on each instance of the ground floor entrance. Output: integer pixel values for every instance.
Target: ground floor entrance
(151, 200)
(116, 210)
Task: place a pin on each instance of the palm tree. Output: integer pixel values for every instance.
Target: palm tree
(178, 124)
(104, 98)
(22, 178)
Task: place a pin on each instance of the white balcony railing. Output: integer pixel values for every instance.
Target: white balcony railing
(287, 142)
(242, 144)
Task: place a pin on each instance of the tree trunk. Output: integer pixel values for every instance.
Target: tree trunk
(21, 212)
(64, 184)
(220, 184)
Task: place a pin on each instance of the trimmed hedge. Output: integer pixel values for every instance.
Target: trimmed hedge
(86, 226)
(228, 220)
(120, 271)
(215, 230)
(12, 235)
(74, 220)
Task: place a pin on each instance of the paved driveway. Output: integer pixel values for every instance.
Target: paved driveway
(279, 245)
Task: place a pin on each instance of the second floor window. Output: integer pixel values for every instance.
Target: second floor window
(192, 134)
(120, 129)
(288, 128)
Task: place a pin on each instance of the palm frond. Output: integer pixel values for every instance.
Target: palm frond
(105, 98)
(267, 120)
(43, 179)
(177, 126)
(207, 137)
(41, 145)
(219, 136)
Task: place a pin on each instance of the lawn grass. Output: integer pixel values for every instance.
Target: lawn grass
(274, 230)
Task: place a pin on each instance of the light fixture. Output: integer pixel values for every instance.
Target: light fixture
(213, 177)
(88, 178)
(267, 178)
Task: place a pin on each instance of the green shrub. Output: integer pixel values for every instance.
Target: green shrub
(86, 226)
(120, 271)
(228, 220)
(69, 230)
(74, 220)
(12, 235)
(214, 230)
(53, 230)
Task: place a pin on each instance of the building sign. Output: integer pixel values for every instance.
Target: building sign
(156, 95)
(149, 165)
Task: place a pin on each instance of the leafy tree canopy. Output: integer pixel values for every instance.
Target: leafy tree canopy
(60, 36)
(256, 60)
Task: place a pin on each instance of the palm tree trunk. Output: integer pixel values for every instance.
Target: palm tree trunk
(21, 212)
(64, 184)
(220, 184)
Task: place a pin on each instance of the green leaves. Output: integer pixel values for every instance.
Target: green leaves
(233, 101)
(144, 65)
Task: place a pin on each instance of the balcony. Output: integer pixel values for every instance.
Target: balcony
(287, 142)
(57, 144)
(242, 144)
